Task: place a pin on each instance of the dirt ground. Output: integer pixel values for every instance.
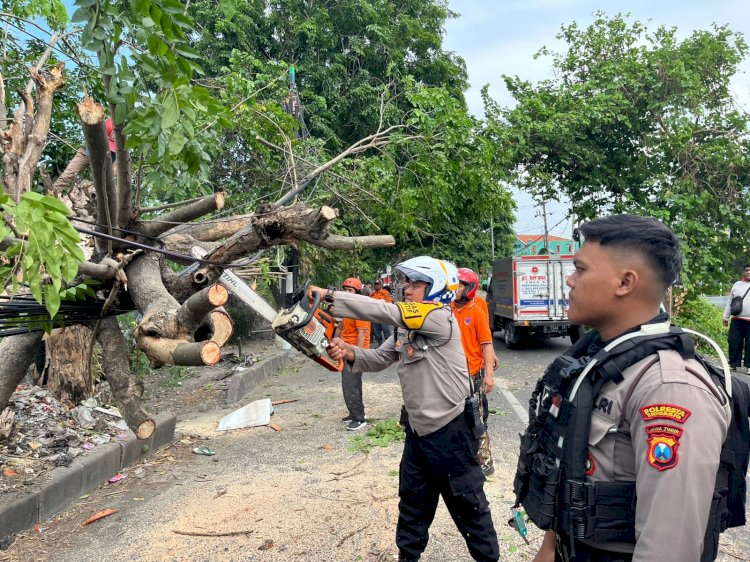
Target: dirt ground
(299, 493)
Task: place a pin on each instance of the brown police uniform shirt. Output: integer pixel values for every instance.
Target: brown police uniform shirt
(431, 360)
(664, 430)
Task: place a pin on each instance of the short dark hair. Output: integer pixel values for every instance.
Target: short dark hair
(746, 266)
(649, 237)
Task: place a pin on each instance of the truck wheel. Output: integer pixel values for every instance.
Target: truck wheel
(575, 333)
(509, 334)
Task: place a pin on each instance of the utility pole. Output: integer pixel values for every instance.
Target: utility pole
(546, 232)
(492, 238)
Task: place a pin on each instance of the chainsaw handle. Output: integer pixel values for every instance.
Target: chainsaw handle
(310, 314)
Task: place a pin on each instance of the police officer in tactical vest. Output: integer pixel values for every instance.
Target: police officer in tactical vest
(633, 479)
(442, 418)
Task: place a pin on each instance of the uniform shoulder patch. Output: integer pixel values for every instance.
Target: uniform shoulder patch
(663, 442)
(413, 314)
(666, 412)
(590, 464)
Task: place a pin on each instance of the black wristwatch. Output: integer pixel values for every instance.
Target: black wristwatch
(329, 296)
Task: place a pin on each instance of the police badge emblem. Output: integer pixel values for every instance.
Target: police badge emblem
(663, 442)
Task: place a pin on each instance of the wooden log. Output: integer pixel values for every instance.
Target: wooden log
(164, 351)
(193, 311)
(127, 389)
(222, 327)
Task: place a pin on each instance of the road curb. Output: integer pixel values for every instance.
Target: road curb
(243, 382)
(66, 484)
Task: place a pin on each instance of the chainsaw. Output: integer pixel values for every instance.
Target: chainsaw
(305, 326)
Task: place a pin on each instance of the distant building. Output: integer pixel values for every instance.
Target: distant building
(533, 245)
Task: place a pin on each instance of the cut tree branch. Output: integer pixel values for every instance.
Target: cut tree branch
(127, 389)
(94, 131)
(77, 164)
(182, 215)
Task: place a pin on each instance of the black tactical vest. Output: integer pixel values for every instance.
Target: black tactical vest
(550, 480)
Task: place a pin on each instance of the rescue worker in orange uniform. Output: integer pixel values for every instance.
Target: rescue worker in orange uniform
(354, 332)
(380, 332)
(481, 361)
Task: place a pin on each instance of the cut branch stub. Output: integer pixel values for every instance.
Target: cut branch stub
(107, 200)
(193, 311)
(221, 325)
(163, 351)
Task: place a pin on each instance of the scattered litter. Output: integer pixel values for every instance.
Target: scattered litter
(139, 472)
(6, 421)
(119, 424)
(252, 415)
(287, 401)
(108, 411)
(327, 447)
(185, 441)
(274, 426)
(40, 433)
(10, 473)
(101, 515)
(116, 478)
(84, 417)
(204, 451)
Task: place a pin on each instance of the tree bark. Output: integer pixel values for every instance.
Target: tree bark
(16, 355)
(77, 164)
(67, 367)
(183, 215)
(38, 129)
(127, 389)
(95, 133)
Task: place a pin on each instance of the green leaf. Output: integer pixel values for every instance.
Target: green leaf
(51, 300)
(228, 7)
(81, 15)
(170, 110)
(177, 142)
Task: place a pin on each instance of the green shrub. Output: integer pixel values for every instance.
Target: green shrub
(381, 434)
(698, 314)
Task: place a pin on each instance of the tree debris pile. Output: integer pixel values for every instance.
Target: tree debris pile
(45, 434)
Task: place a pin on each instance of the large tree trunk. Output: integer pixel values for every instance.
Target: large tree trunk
(16, 355)
(67, 365)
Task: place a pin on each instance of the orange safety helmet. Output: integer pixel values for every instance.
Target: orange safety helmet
(354, 283)
(466, 275)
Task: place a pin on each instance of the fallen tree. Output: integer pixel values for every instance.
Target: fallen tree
(183, 322)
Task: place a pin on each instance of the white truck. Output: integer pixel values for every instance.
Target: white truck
(528, 296)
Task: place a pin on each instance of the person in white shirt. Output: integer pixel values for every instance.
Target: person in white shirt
(739, 327)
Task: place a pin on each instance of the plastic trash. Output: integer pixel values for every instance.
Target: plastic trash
(252, 415)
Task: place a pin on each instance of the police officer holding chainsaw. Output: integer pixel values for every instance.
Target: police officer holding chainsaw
(632, 478)
(441, 417)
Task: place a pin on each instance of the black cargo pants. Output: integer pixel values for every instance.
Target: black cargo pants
(444, 463)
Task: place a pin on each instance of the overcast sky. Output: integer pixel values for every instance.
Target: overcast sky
(497, 37)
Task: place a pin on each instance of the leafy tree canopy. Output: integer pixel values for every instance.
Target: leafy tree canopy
(640, 121)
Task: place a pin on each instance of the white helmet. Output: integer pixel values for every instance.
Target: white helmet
(441, 277)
